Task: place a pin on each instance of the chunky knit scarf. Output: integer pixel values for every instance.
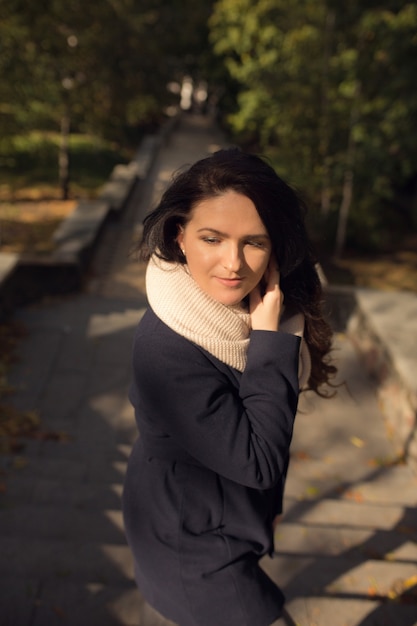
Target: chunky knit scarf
(223, 331)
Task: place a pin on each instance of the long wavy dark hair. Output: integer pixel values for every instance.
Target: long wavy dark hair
(280, 209)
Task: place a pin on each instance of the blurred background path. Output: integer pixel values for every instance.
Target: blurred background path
(346, 550)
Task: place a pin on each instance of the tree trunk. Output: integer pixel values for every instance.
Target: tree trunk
(63, 158)
(324, 126)
(344, 209)
(348, 179)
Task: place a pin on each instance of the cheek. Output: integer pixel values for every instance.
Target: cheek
(259, 265)
(261, 270)
(204, 255)
(200, 260)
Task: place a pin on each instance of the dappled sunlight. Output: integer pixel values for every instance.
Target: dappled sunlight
(346, 549)
(109, 323)
(339, 513)
(125, 604)
(369, 579)
(386, 272)
(120, 557)
(28, 227)
(348, 533)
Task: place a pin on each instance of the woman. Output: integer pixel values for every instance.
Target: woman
(218, 364)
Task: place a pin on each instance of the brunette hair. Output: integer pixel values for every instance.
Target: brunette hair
(281, 210)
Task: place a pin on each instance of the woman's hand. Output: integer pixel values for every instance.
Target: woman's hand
(265, 310)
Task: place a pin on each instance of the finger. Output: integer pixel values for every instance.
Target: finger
(255, 298)
(273, 276)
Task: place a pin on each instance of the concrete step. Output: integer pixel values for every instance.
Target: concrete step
(46, 491)
(337, 591)
(353, 541)
(57, 602)
(67, 462)
(52, 523)
(72, 560)
(383, 326)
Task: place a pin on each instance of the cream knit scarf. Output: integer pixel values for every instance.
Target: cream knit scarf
(223, 331)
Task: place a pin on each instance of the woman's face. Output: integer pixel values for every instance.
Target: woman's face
(227, 246)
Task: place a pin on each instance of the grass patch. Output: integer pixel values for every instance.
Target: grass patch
(30, 204)
(389, 271)
(30, 162)
(28, 226)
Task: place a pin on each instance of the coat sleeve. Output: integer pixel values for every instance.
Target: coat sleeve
(241, 433)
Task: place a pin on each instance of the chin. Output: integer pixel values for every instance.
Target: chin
(230, 301)
(227, 297)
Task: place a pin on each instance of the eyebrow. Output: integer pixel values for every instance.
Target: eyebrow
(221, 234)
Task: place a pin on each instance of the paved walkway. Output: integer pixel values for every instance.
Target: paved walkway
(346, 550)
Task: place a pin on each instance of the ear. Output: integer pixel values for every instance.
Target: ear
(180, 236)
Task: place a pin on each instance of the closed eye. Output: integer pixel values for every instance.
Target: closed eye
(211, 240)
(256, 244)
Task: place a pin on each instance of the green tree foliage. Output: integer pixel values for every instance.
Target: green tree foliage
(109, 61)
(326, 90)
(99, 67)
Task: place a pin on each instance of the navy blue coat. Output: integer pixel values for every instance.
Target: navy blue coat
(206, 476)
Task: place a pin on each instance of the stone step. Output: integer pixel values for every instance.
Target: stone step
(338, 513)
(57, 602)
(337, 577)
(355, 543)
(63, 523)
(72, 560)
(311, 480)
(27, 489)
(67, 462)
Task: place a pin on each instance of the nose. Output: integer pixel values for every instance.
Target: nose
(232, 257)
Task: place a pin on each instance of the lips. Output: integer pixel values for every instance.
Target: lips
(230, 282)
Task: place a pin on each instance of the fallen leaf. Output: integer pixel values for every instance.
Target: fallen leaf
(357, 496)
(372, 592)
(373, 554)
(20, 463)
(14, 423)
(373, 589)
(52, 435)
(301, 455)
(400, 590)
(356, 441)
(386, 462)
(59, 611)
(407, 530)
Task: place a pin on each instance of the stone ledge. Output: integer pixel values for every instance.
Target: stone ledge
(116, 192)
(144, 157)
(79, 229)
(393, 316)
(61, 271)
(8, 262)
(24, 278)
(383, 327)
